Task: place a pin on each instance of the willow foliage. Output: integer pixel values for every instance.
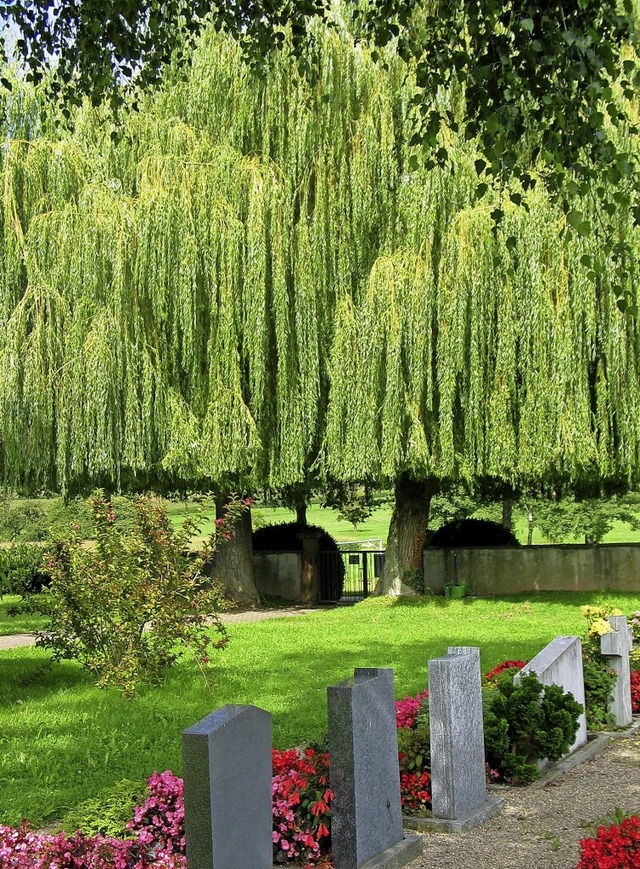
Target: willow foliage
(246, 286)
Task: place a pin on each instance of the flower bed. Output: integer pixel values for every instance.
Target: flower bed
(614, 847)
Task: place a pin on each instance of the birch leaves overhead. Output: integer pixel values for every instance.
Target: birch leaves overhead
(248, 288)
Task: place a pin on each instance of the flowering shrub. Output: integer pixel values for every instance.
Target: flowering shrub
(23, 849)
(125, 608)
(635, 692)
(504, 667)
(599, 679)
(414, 753)
(301, 805)
(415, 792)
(408, 708)
(159, 821)
(616, 847)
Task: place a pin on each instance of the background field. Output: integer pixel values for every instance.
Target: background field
(57, 517)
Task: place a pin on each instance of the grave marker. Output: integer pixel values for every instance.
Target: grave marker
(560, 663)
(227, 790)
(458, 781)
(615, 647)
(366, 821)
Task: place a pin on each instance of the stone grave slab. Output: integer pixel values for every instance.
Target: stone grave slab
(366, 823)
(227, 790)
(615, 647)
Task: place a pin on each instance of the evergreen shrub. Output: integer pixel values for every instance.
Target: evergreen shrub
(473, 532)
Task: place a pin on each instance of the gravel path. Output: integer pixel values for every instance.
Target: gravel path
(540, 826)
(14, 641)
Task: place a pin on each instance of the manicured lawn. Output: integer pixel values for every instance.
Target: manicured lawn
(20, 624)
(375, 528)
(61, 739)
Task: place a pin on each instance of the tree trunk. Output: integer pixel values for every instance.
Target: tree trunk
(233, 562)
(507, 513)
(407, 532)
(301, 512)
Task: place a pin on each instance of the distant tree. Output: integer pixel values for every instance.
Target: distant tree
(590, 518)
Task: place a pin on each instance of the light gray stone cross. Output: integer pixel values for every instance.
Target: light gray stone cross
(615, 647)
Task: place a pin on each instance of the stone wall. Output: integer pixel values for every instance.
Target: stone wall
(277, 574)
(502, 570)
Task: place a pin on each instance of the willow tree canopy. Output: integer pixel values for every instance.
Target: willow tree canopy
(248, 287)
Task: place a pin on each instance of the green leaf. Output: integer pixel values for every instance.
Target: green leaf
(527, 24)
(574, 219)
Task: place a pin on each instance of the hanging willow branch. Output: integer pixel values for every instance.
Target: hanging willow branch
(247, 286)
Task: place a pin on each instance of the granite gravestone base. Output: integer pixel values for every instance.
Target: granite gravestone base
(615, 647)
(366, 822)
(458, 777)
(227, 790)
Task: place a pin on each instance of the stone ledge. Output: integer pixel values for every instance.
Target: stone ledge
(398, 855)
(395, 857)
(593, 747)
(489, 809)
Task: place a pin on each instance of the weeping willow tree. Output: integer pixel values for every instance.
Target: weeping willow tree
(245, 287)
(510, 364)
(168, 295)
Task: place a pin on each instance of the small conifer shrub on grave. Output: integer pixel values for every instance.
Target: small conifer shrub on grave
(528, 722)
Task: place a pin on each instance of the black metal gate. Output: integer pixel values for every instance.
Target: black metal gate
(348, 575)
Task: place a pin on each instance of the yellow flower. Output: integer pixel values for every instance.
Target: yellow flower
(600, 627)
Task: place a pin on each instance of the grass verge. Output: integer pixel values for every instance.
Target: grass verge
(24, 623)
(62, 739)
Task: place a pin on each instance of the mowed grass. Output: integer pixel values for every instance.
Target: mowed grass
(62, 739)
(17, 624)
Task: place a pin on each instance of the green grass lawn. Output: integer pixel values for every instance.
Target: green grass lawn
(62, 739)
(20, 624)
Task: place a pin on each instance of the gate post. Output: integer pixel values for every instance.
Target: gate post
(309, 566)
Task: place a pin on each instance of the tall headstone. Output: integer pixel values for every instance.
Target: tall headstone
(366, 821)
(615, 647)
(560, 663)
(227, 790)
(458, 779)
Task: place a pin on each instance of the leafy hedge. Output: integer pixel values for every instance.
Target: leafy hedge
(473, 532)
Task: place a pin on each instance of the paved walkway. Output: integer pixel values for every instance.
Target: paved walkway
(14, 641)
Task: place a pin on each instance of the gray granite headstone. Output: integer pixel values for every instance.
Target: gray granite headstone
(560, 663)
(227, 790)
(615, 647)
(458, 781)
(366, 822)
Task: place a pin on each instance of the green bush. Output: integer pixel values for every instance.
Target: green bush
(107, 813)
(528, 722)
(598, 688)
(23, 521)
(599, 678)
(128, 606)
(22, 569)
(473, 532)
